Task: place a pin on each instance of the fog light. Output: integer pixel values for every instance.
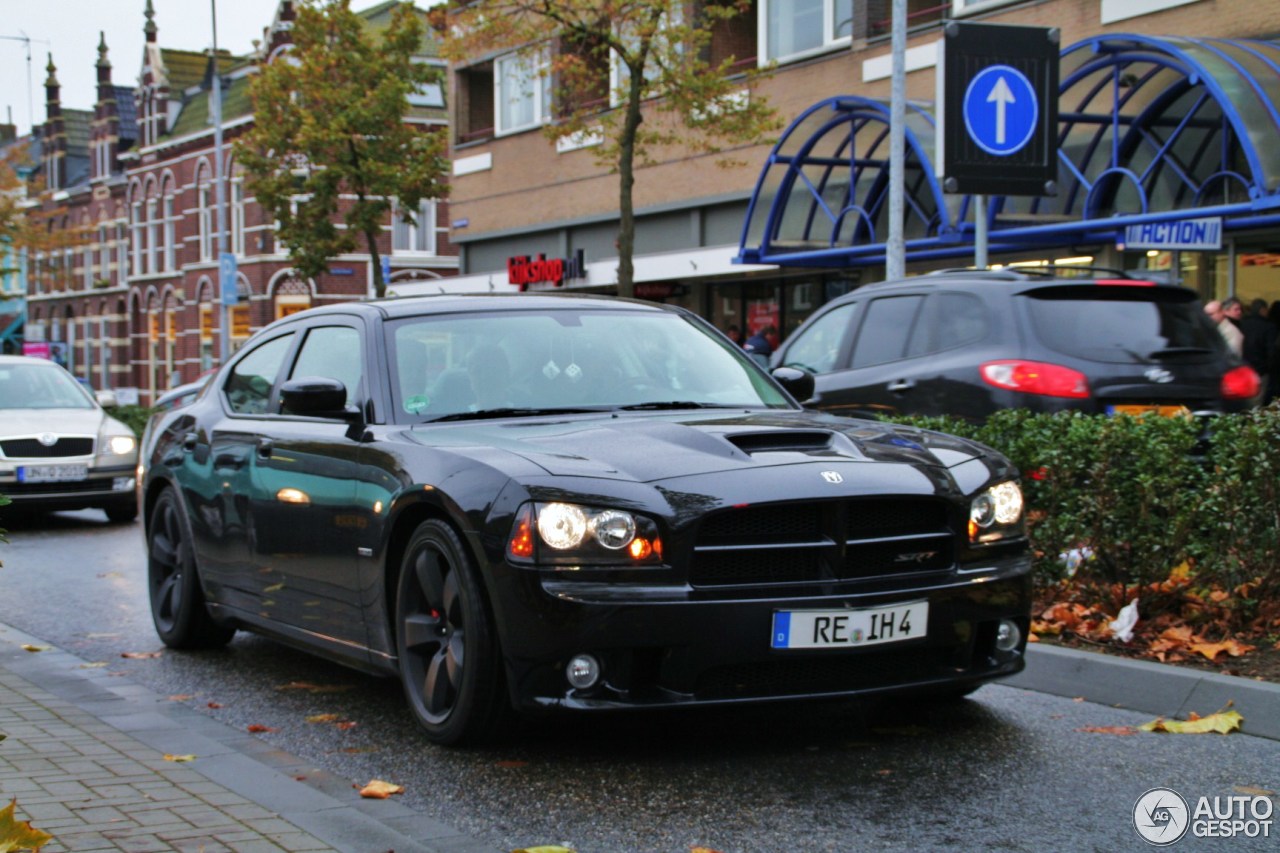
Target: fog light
(583, 671)
(1008, 635)
(122, 484)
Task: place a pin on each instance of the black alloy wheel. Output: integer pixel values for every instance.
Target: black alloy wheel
(448, 652)
(177, 603)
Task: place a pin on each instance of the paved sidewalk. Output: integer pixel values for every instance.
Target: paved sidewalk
(84, 758)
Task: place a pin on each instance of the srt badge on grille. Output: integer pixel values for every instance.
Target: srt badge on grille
(832, 477)
(48, 439)
(916, 557)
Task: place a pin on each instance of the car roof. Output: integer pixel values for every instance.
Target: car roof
(449, 303)
(1023, 279)
(26, 359)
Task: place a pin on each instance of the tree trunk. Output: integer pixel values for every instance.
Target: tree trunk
(626, 183)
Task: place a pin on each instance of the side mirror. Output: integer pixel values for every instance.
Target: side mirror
(314, 396)
(106, 399)
(797, 382)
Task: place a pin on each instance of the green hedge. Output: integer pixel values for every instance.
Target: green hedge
(1144, 495)
(134, 417)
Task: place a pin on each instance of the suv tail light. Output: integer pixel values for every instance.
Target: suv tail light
(1240, 383)
(1037, 377)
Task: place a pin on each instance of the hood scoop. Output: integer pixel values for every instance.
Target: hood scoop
(784, 441)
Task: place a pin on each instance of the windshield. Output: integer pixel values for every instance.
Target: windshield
(528, 362)
(40, 386)
(1124, 324)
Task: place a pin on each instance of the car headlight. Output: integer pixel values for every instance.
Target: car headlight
(118, 445)
(572, 535)
(996, 513)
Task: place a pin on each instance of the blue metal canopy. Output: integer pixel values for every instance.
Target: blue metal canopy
(1151, 129)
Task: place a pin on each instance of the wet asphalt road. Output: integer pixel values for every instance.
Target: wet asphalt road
(1007, 769)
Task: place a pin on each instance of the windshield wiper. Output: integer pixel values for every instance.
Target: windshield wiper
(1168, 352)
(484, 414)
(674, 404)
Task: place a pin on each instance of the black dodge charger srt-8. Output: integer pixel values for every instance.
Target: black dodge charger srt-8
(536, 502)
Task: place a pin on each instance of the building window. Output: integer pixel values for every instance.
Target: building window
(792, 29)
(122, 254)
(522, 91)
(237, 217)
(151, 235)
(135, 235)
(474, 112)
(418, 236)
(167, 227)
(204, 218)
(104, 252)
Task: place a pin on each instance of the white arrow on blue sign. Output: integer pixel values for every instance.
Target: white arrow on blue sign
(227, 278)
(1000, 110)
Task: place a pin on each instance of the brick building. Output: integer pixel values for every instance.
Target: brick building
(1206, 70)
(131, 300)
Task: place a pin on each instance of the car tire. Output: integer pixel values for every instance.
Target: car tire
(449, 658)
(178, 606)
(121, 513)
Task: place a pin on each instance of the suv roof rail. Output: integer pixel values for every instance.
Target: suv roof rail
(1012, 273)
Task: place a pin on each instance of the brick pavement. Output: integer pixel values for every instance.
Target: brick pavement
(84, 758)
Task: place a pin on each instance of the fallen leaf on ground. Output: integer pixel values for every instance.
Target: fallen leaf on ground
(1221, 722)
(702, 850)
(379, 790)
(181, 697)
(1251, 791)
(214, 705)
(316, 688)
(95, 665)
(19, 835)
(322, 718)
(275, 587)
(181, 759)
(255, 728)
(512, 764)
(28, 647)
(1231, 647)
(552, 848)
(1109, 730)
(140, 655)
(346, 725)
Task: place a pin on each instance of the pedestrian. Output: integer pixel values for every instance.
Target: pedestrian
(1228, 330)
(758, 346)
(734, 333)
(1259, 335)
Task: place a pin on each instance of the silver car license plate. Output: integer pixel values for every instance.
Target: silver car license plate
(52, 473)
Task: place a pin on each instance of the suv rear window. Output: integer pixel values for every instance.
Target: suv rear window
(1122, 324)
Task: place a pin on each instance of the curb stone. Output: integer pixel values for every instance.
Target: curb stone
(1154, 688)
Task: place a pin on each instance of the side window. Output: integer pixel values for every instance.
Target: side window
(949, 320)
(334, 353)
(248, 388)
(885, 330)
(818, 347)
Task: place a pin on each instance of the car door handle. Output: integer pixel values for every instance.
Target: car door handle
(901, 385)
(265, 446)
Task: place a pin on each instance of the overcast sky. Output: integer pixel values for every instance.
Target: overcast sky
(70, 28)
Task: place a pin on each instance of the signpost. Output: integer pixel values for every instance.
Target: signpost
(997, 130)
(227, 290)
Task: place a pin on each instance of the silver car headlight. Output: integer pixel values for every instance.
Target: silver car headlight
(996, 514)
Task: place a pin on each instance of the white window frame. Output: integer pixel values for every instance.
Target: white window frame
(204, 221)
(104, 251)
(536, 65)
(237, 216)
(619, 73)
(152, 234)
(135, 237)
(829, 43)
(86, 273)
(167, 226)
(407, 237)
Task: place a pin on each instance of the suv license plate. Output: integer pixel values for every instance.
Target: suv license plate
(52, 473)
(831, 629)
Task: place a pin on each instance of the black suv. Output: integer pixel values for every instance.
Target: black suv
(969, 342)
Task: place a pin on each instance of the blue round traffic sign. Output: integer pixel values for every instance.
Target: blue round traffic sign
(1000, 110)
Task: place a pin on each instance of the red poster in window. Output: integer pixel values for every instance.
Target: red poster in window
(761, 314)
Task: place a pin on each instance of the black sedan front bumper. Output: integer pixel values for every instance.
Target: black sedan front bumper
(668, 646)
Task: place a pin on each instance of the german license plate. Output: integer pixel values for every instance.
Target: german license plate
(52, 473)
(1140, 410)
(832, 629)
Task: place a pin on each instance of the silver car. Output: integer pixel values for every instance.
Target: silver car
(58, 448)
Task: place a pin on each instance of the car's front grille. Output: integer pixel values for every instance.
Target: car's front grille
(823, 541)
(31, 448)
